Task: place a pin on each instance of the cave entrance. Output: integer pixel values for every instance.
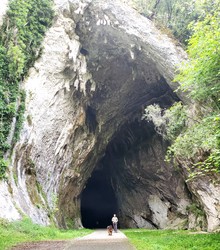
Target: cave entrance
(98, 200)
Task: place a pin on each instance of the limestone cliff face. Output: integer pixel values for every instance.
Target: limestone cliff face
(102, 63)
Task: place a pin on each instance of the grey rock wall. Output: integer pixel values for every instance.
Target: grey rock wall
(102, 63)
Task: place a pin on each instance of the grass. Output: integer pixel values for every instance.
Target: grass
(25, 231)
(144, 239)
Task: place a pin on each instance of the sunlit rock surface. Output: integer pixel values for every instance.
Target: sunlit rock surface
(102, 63)
(3, 8)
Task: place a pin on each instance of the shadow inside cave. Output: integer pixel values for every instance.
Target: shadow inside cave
(98, 200)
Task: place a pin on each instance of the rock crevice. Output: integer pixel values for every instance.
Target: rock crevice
(101, 65)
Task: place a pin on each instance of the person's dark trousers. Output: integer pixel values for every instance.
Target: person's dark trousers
(115, 227)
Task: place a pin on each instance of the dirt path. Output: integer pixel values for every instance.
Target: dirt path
(43, 245)
(99, 240)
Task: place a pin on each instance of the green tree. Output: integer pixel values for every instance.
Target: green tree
(201, 75)
(196, 138)
(172, 14)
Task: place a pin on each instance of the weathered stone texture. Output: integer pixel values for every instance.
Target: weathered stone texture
(102, 63)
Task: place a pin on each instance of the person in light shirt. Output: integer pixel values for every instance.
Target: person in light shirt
(115, 223)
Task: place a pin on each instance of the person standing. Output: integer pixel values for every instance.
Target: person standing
(115, 223)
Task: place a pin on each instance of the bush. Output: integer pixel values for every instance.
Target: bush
(169, 123)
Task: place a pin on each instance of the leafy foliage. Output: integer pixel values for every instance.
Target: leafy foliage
(199, 136)
(175, 15)
(3, 167)
(202, 74)
(168, 123)
(197, 142)
(195, 209)
(20, 38)
(27, 21)
(209, 166)
(196, 138)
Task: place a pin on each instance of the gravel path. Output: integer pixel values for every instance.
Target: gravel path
(99, 240)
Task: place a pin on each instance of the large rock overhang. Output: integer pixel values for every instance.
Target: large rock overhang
(131, 62)
(105, 63)
(132, 66)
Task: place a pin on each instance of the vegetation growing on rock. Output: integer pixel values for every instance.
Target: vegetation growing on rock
(176, 15)
(55, 157)
(21, 35)
(198, 137)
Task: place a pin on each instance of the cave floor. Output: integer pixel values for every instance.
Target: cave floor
(97, 240)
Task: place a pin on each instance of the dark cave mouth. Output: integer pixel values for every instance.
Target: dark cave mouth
(98, 201)
(99, 198)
